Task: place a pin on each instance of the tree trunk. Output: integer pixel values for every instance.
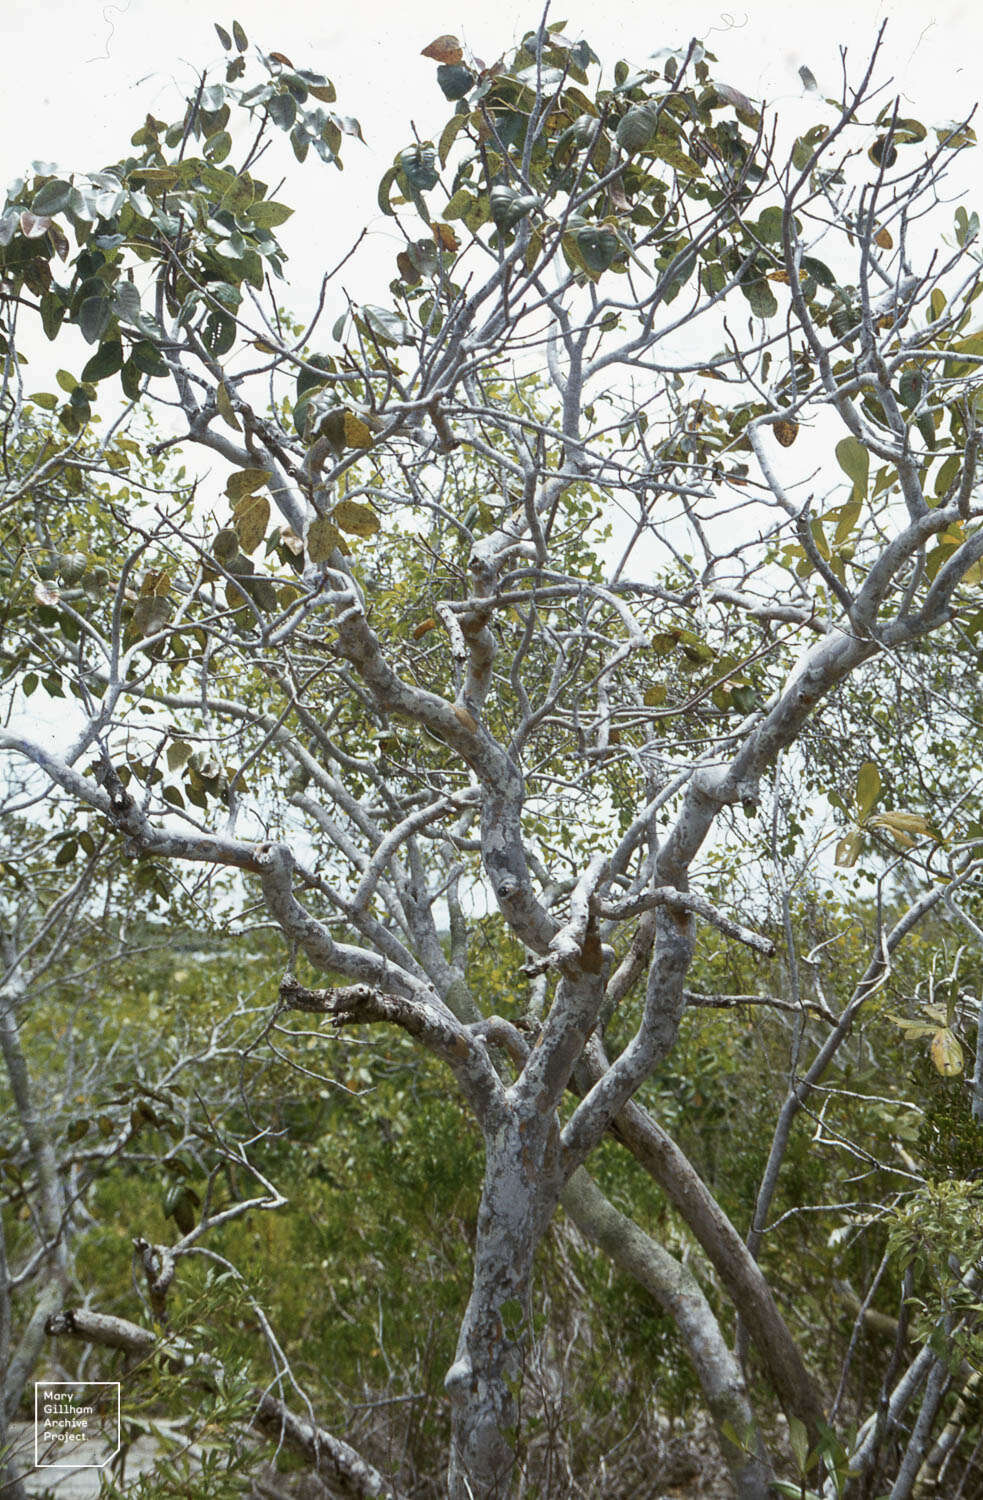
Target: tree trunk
(520, 1194)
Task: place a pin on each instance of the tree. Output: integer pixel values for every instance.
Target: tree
(518, 595)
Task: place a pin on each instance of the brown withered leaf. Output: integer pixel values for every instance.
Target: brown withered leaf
(786, 432)
(883, 238)
(445, 237)
(617, 196)
(444, 49)
(281, 57)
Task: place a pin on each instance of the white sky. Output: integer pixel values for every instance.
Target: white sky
(79, 75)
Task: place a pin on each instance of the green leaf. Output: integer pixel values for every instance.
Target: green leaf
(106, 361)
(52, 314)
(667, 149)
(223, 37)
(818, 270)
(126, 301)
(868, 789)
(598, 246)
(239, 36)
(218, 146)
(971, 345)
(508, 206)
(761, 297)
(283, 110)
(269, 215)
(854, 460)
(130, 380)
(798, 1437)
(382, 196)
(948, 472)
(146, 358)
(53, 198)
(417, 164)
(637, 127)
(454, 80)
(94, 318)
(218, 334)
(388, 327)
(769, 226)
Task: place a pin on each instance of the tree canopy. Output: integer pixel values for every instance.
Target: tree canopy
(572, 645)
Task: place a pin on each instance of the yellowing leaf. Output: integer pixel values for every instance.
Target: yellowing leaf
(912, 1029)
(157, 581)
(323, 537)
(178, 752)
(225, 408)
(666, 148)
(854, 460)
(868, 788)
(946, 1053)
(849, 516)
(424, 626)
(251, 516)
(883, 238)
(448, 134)
(910, 822)
(357, 434)
(360, 520)
(848, 850)
(654, 695)
(244, 482)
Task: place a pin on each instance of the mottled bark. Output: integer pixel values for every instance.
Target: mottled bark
(521, 1188)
